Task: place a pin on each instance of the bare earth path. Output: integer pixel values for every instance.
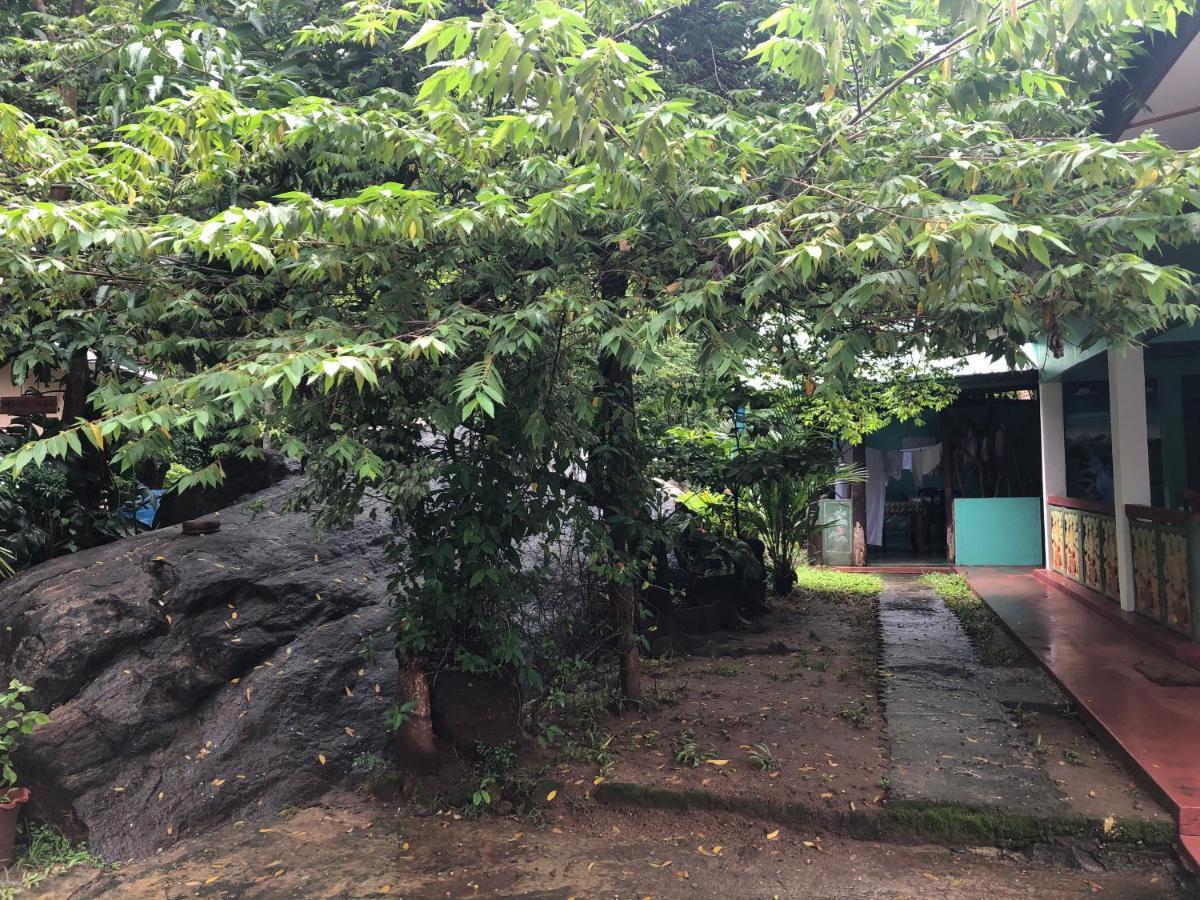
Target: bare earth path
(804, 687)
(358, 848)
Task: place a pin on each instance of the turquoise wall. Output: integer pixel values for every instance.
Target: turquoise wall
(998, 531)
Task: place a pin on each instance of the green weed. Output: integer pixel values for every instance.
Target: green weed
(688, 752)
(976, 619)
(855, 713)
(47, 852)
(763, 757)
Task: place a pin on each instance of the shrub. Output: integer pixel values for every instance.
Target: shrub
(16, 721)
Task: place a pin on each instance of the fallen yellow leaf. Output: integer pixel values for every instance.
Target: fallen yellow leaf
(717, 762)
(1109, 824)
(550, 796)
(774, 835)
(321, 758)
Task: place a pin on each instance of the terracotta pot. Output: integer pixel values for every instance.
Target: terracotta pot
(11, 802)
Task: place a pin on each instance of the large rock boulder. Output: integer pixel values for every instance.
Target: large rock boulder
(199, 679)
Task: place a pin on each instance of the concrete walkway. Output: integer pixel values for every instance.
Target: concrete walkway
(1146, 703)
(951, 739)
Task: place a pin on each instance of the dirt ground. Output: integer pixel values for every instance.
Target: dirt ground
(352, 847)
(803, 685)
(788, 712)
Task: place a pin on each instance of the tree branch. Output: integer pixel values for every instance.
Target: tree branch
(915, 69)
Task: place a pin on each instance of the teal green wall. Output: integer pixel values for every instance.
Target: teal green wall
(998, 531)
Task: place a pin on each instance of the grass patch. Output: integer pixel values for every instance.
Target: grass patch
(976, 619)
(841, 585)
(42, 851)
(720, 669)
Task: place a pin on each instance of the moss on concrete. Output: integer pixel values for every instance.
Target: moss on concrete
(904, 822)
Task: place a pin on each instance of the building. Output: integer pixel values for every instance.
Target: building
(957, 485)
(18, 400)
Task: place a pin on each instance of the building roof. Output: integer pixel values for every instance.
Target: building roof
(1158, 91)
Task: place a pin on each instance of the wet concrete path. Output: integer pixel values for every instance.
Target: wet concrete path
(951, 738)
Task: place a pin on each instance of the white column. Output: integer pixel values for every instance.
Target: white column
(1131, 454)
(1054, 455)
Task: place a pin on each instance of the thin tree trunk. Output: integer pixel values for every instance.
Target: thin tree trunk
(416, 745)
(619, 494)
(622, 495)
(70, 96)
(77, 384)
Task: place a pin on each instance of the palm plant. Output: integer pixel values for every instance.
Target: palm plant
(783, 511)
(787, 471)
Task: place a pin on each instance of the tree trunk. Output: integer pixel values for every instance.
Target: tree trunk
(619, 494)
(77, 384)
(416, 746)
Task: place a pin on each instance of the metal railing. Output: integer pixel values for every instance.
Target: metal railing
(1166, 566)
(1083, 543)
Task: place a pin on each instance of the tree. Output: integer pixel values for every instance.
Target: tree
(447, 298)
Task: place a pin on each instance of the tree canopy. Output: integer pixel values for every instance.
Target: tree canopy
(433, 246)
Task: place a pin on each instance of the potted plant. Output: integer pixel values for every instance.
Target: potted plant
(15, 722)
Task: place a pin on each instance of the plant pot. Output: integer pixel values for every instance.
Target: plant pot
(11, 802)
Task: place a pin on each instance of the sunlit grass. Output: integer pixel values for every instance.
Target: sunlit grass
(843, 585)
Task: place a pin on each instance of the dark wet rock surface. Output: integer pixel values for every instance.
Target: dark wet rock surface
(952, 740)
(199, 680)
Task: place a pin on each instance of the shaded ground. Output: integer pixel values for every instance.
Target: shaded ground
(789, 713)
(355, 848)
(786, 715)
(1086, 776)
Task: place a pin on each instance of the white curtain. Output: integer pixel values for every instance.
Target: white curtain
(926, 457)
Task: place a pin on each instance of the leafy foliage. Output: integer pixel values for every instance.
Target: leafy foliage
(16, 721)
(437, 250)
